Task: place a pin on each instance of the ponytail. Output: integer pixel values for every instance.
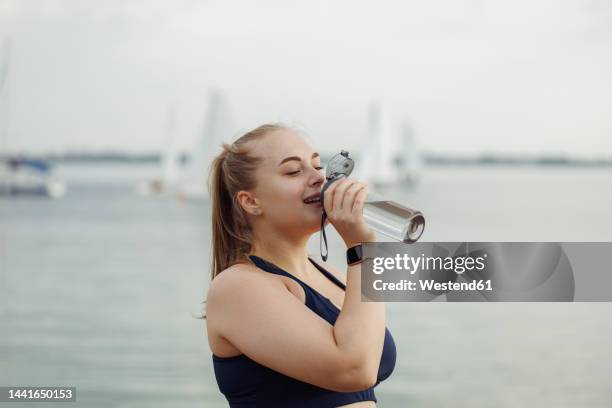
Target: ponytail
(232, 171)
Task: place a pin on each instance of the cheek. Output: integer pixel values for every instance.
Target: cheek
(282, 196)
(289, 189)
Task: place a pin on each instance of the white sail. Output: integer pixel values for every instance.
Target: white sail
(4, 95)
(21, 176)
(388, 151)
(216, 129)
(410, 164)
(379, 149)
(169, 159)
(365, 166)
(165, 181)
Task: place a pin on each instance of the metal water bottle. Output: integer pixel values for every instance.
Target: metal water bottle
(394, 220)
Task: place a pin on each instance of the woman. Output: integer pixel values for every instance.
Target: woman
(285, 330)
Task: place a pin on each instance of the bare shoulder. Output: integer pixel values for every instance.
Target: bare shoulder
(236, 289)
(235, 280)
(331, 269)
(229, 275)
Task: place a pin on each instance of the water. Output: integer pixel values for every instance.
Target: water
(100, 290)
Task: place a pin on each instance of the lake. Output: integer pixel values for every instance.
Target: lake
(101, 290)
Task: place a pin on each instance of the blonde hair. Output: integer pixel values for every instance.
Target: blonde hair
(232, 171)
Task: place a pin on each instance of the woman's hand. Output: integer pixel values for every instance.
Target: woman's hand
(343, 203)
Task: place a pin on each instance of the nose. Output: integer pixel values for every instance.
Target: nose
(317, 179)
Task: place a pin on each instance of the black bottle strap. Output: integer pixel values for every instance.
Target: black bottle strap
(323, 238)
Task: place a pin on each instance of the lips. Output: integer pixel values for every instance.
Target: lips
(313, 199)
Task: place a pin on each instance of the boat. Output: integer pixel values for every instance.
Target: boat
(21, 176)
(29, 177)
(389, 154)
(164, 183)
(193, 185)
(410, 161)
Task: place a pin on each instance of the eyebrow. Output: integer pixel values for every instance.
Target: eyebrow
(286, 159)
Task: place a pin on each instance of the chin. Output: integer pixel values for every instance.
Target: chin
(311, 224)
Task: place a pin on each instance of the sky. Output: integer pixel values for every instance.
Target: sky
(469, 76)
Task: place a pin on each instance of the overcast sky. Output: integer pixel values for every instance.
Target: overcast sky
(470, 76)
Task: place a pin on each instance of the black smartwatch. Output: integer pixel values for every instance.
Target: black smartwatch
(354, 255)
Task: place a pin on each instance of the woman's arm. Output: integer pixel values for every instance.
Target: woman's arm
(257, 314)
(360, 327)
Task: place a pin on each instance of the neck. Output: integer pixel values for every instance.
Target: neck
(286, 252)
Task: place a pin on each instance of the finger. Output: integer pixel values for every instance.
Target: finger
(328, 196)
(340, 192)
(349, 196)
(360, 200)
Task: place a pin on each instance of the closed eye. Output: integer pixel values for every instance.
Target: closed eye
(293, 173)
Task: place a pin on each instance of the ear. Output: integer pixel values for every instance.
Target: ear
(249, 202)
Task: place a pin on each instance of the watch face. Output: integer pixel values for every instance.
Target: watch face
(354, 255)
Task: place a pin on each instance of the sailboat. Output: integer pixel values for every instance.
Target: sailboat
(165, 182)
(388, 151)
(21, 176)
(216, 128)
(410, 162)
(29, 177)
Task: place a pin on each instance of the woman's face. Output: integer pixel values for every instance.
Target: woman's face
(290, 173)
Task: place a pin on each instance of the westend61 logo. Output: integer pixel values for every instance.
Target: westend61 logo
(412, 265)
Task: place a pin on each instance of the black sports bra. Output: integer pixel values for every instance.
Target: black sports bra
(246, 383)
